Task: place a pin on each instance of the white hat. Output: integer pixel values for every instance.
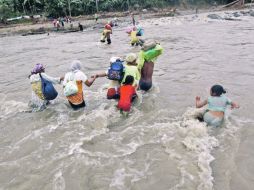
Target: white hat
(114, 59)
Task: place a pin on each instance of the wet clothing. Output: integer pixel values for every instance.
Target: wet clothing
(134, 38)
(218, 103)
(113, 89)
(113, 93)
(133, 71)
(35, 81)
(106, 35)
(213, 120)
(145, 85)
(80, 78)
(127, 92)
(76, 107)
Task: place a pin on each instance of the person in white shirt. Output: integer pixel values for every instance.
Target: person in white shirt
(77, 100)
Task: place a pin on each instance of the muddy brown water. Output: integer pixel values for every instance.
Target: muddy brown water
(159, 145)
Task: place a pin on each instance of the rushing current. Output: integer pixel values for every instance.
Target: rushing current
(160, 145)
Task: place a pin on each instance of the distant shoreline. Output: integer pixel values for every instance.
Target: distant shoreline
(89, 21)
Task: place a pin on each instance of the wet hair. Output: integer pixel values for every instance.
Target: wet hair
(128, 80)
(217, 90)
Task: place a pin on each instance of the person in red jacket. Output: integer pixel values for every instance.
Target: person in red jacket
(127, 94)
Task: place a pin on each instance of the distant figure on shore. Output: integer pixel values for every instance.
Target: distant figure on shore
(133, 19)
(96, 17)
(54, 23)
(62, 21)
(217, 104)
(80, 26)
(57, 24)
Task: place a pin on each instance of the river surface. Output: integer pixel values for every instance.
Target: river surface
(159, 145)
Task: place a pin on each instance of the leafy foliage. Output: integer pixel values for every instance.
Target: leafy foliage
(57, 8)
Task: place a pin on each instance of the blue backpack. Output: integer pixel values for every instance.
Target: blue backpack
(48, 90)
(115, 71)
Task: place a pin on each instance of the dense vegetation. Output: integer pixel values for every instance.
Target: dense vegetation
(55, 8)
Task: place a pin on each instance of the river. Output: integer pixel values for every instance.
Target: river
(159, 145)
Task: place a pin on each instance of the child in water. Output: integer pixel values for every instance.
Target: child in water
(217, 104)
(127, 94)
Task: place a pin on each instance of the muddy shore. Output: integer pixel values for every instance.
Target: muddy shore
(88, 22)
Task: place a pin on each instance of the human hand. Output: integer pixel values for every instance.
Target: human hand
(234, 105)
(197, 98)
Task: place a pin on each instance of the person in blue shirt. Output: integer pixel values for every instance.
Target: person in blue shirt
(217, 104)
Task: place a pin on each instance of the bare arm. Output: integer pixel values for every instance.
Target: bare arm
(100, 75)
(199, 103)
(90, 81)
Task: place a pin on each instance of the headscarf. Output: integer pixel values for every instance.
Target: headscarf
(75, 65)
(38, 68)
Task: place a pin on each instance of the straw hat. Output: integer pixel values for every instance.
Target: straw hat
(131, 57)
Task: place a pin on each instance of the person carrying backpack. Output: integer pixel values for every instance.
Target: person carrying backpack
(115, 74)
(42, 88)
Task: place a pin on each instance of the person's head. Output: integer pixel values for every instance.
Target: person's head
(128, 80)
(131, 59)
(148, 44)
(108, 27)
(217, 90)
(38, 68)
(114, 59)
(75, 65)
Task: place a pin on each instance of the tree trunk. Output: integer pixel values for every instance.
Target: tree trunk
(69, 5)
(97, 6)
(128, 4)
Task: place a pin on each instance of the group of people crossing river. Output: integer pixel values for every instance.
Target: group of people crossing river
(126, 77)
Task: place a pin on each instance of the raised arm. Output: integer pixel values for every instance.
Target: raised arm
(199, 103)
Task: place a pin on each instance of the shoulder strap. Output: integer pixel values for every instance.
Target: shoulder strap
(71, 77)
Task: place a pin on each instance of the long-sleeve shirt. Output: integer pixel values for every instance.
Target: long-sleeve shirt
(36, 78)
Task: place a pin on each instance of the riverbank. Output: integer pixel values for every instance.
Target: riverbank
(88, 22)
